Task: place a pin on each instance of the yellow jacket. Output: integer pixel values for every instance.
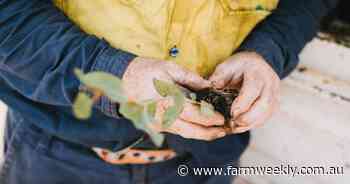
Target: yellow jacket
(197, 34)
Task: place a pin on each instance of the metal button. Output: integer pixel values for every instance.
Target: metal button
(173, 52)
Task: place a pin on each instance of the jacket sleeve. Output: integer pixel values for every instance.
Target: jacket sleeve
(40, 47)
(281, 36)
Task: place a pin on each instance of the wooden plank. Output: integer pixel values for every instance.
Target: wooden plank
(309, 130)
(327, 57)
(312, 126)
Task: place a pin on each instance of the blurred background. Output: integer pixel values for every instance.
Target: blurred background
(312, 127)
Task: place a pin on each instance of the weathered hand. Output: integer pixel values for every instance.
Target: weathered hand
(259, 89)
(138, 85)
(191, 123)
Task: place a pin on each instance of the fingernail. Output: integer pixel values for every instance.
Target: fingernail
(232, 124)
(208, 83)
(221, 134)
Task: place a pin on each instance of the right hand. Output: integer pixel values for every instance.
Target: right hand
(138, 85)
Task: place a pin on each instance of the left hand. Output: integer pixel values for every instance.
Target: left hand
(259, 89)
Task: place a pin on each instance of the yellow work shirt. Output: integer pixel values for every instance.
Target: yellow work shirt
(197, 34)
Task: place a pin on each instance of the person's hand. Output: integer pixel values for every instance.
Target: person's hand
(138, 85)
(259, 89)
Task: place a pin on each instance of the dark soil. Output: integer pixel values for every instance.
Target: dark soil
(220, 99)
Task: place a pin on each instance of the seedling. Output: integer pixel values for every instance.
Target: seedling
(142, 113)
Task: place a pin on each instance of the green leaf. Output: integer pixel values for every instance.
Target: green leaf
(149, 112)
(169, 116)
(166, 88)
(151, 108)
(173, 112)
(125, 150)
(193, 96)
(82, 106)
(157, 138)
(206, 109)
(149, 117)
(108, 84)
(140, 116)
(132, 111)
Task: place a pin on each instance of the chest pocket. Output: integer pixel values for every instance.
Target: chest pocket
(249, 5)
(246, 14)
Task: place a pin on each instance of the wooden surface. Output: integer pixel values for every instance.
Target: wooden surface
(312, 127)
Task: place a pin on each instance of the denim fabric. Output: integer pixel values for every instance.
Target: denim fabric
(33, 157)
(39, 50)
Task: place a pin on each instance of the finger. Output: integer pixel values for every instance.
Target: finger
(191, 113)
(251, 90)
(239, 130)
(186, 77)
(236, 82)
(193, 131)
(261, 110)
(224, 75)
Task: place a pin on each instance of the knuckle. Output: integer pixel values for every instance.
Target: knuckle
(199, 134)
(267, 101)
(175, 128)
(186, 136)
(210, 136)
(277, 89)
(275, 77)
(240, 122)
(276, 107)
(183, 133)
(203, 135)
(207, 138)
(246, 120)
(170, 65)
(182, 79)
(276, 83)
(187, 77)
(254, 84)
(221, 66)
(241, 130)
(257, 88)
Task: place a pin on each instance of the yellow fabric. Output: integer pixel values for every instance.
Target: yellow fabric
(205, 31)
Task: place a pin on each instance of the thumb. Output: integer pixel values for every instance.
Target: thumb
(187, 78)
(191, 113)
